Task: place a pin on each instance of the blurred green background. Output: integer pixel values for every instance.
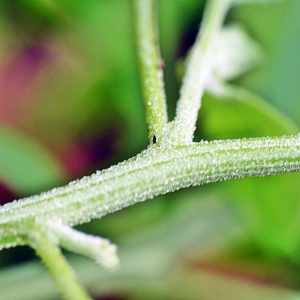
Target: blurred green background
(70, 104)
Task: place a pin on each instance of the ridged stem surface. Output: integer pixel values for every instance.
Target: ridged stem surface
(150, 66)
(197, 70)
(157, 170)
(57, 265)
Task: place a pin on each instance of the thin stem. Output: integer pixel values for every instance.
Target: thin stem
(94, 247)
(154, 172)
(58, 267)
(198, 67)
(151, 67)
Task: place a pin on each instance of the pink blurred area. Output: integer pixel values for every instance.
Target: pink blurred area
(30, 76)
(22, 75)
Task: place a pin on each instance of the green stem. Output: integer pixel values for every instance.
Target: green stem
(198, 67)
(150, 65)
(57, 265)
(94, 247)
(158, 170)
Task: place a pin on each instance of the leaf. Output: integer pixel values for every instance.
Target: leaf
(235, 2)
(276, 27)
(25, 165)
(234, 53)
(269, 209)
(233, 112)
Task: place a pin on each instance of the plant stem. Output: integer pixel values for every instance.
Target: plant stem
(198, 67)
(150, 66)
(94, 247)
(156, 171)
(57, 265)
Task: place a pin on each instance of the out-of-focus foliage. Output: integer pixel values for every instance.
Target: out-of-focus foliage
(39, 170)
(275, 27)
(68, 82)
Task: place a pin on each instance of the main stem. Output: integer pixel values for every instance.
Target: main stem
(153, 172)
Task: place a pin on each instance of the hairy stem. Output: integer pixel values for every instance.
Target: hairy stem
(151, 67)
(57, 265)
(156, 171)
(94, 247)
(198, 67)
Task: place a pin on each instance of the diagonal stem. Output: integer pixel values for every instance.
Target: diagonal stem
(153, 172)
(198, 67)
(99, 249)
(150, 66)
(57, 265)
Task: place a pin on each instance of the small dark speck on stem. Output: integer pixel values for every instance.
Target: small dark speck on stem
(154, 139)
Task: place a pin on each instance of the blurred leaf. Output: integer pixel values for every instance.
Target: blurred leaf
(234, 53)
(27, 166)
(276, 28)
(233, 112)
(253, 1)
(269, 208)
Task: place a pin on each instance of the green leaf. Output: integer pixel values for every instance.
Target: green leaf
(234, 2)
(269, 211)
(276, 28)
(25, 165)
(232, 112)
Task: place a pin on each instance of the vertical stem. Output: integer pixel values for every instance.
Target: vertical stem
(58, 267)
(151, 67)
(198, 67)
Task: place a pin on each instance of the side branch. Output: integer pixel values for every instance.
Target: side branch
(197, 70)
(151, 67)
(57, 265)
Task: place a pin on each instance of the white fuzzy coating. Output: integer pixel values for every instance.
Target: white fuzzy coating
(155, 171)
(96, 248)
